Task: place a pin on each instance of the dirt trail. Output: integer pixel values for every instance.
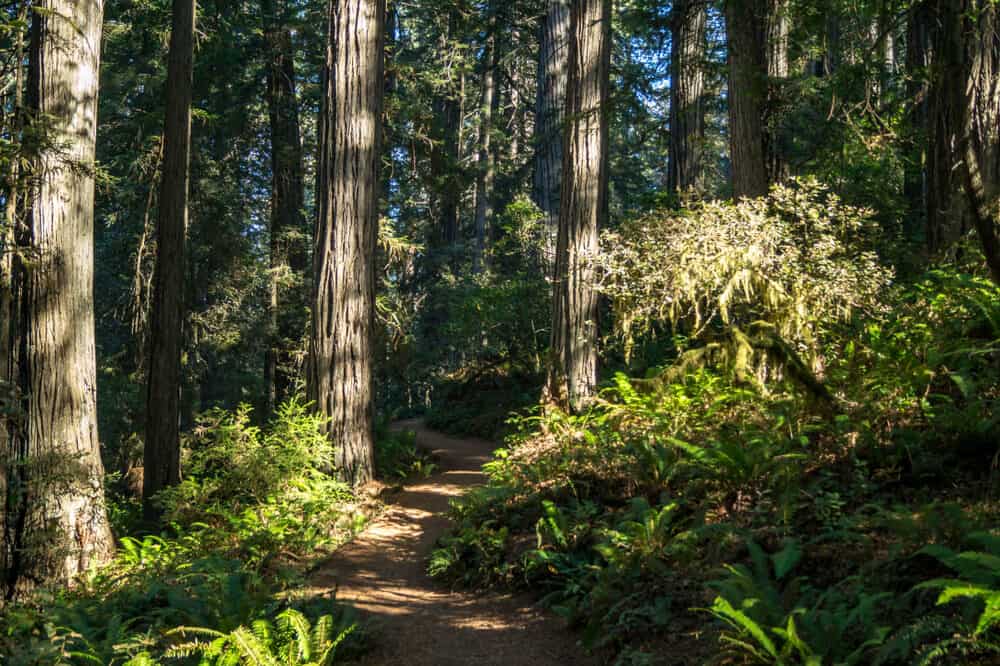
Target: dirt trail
(417, 621)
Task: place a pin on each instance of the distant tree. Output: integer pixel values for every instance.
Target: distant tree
(572, 374)
(687, 88)
(758, 39)
(162, 450)
(288, 232)
(340, 368)
(55, 524)
(487, 164)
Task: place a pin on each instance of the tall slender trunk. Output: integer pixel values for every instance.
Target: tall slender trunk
(915, 137)
(446, 153)
(11, 218)
(486, 166)
(56, 526)
(687, 88)
(572, 375)
(289, 253)
(553, 63)
(161, 456)
(340, 380)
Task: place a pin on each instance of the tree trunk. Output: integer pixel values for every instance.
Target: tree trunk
(572, 375)
(446, 153)
(687, 87)
(553, 63)
(340, 380)
(57, 524)
(289, 253)
(161, 457)
(915, 138)
(485, 171)
(758, 45)
(977, 96)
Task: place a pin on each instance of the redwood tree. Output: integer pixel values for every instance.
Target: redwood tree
(289, 254)
(55, 524)
(340, 368)
(161, 455)
(553, 55)
(572, 375)
(687, 87)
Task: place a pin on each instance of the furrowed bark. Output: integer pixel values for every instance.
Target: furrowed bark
(340, 381)
(161, 453)
(572, 376)
(56, 525)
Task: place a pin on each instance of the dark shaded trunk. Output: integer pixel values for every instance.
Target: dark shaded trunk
(55, 524)
(553, 63)
(446, 133)
(687, 88)
(289, 234)
(758, 42)
(161, 457)
(915, 138)
(340, 368)
(572, 374)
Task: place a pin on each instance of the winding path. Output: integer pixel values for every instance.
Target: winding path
(417, 621)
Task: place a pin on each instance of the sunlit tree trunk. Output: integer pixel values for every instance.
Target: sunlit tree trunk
(687, 88)
(572, 375)
(553, 62)
(56, 524)
(340, 370)
(161, 459)
(289, 253)
(485, 171)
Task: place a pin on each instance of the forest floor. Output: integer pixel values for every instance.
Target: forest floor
(417, 621)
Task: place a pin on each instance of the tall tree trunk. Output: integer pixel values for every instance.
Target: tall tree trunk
(486, 167)
(289, 253)
(56, 526)
(11, 218)
(161, 454)
(977, 96)
(572, 375)
(687, 87)
(915, 138)
(553, 64)
(758, 42)
(446, 153)
(340, 380)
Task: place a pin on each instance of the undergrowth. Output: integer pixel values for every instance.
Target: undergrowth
(254, 513)
(709, 516)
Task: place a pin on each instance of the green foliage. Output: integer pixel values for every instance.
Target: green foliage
(252, 510)
(798, 260)
(289, 639)
(776, 620)
(617, 514)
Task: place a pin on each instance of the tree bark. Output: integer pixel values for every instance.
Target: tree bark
(572, 375)
(56, 526)
(758, 36)
(340, 381)
(161, 453)
(977, 97)
(289, 253)
(553, 63)
(485, 172)
(446, 153)
(687, 88)
(915, 138)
